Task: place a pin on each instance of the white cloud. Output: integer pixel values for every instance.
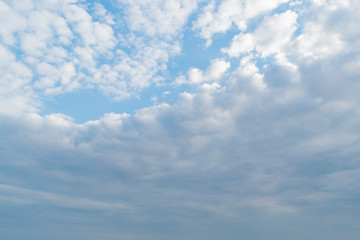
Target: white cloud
(216, 70)
(195, 75)
(15, 95)
(56, 55)
(6, 56)
(219, 19)
(63, 30)
(211, 22)
(270, 37)
(104, 15)
(254, 8)
(12, 22)
(56, 33)
(22, 5)
(241, 43)
(328, 32)
(315, 43)
(46, 69)
(68, 72)
(163, 18)
(275, 32)
(248, 71)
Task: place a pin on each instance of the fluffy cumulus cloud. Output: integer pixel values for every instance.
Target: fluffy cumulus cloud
(68, 45)
(261, 141)
(272, 34)
(214, 72)
(218, 17)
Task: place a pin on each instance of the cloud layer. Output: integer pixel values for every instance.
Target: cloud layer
(262, 143)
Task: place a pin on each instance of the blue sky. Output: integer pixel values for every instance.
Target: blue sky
(179, 119)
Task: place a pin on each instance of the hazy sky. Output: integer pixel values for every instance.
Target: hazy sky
(179, 119)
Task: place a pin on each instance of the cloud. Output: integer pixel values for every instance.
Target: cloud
(272, 34)
(249, 144)
(263, 138)
(15, 96)
(219, 19)
(216, 71)
(158, 18)
(12, 22)
(81, 39)
(26, 196)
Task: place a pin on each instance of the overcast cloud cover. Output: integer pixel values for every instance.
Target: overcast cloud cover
(242, 119)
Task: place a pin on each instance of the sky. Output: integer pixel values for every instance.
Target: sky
(179, 119)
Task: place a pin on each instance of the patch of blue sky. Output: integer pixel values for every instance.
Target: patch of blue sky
(192, 54)
(196, 55)
(109, 5)
(223, 41)
(300, 25)
(284, 7)
(88, 104)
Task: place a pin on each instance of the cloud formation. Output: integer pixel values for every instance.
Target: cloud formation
(262, 139)
(72, 45)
